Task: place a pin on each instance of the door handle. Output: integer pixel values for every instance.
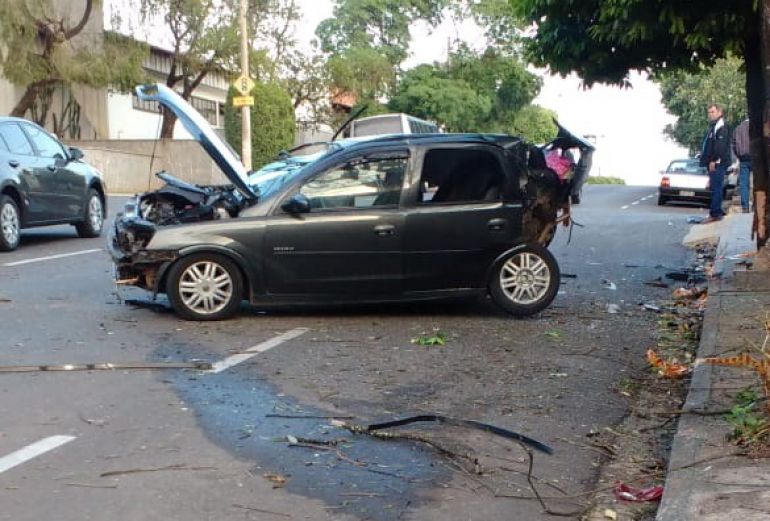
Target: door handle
(385, 229)
(13, 163)
(497, 225)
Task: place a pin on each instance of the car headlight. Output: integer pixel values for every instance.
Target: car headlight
(131, 208)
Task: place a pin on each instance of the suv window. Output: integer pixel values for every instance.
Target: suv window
(364, 183)
(463, 175)
(45, 144)
(15, 139)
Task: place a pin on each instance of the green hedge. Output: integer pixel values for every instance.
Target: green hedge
(601, 180)
(272, 123)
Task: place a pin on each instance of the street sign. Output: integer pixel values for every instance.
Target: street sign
(243, 101)
(243, 84)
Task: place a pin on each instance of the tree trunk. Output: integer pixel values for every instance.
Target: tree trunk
(29, 97)
(167, 127)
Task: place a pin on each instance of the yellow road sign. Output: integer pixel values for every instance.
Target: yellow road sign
(243, 101)
(243, 84)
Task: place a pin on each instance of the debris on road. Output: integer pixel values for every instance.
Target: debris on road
(278, 480)
(608, 284)
(610, 514)
(105, 366)
(261, 511)
(152, 469)
(628, 493)
(437, 338)
(666, 369)
(554, 333)
(657, 283)
(688, 293)
(613, 309)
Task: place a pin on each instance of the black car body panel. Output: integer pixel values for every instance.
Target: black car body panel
(49, 182)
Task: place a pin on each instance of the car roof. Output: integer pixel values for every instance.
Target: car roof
(430, 139)
(7, 119)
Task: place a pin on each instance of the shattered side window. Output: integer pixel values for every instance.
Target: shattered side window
(464, 175)
(363, 183)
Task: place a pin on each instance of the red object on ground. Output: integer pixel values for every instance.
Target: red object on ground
(628, 493)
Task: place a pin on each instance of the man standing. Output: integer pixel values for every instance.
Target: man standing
(716, 157)
(743, 152)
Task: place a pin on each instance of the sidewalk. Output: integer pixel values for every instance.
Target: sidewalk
(705, 481)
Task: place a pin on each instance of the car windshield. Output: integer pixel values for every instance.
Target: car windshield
(686, 166)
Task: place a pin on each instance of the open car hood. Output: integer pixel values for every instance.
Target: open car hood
(202, 132)
(566, 139)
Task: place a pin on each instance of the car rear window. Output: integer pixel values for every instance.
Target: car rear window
(15, 139)
(686, 167)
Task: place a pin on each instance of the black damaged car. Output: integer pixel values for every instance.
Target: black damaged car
(393, 218)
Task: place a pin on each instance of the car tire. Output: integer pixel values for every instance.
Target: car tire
(10, 224)
(205, 286)
(525, 281)
(93, 221)
(662, 200)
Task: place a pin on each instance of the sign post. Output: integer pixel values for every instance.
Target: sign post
(245, 108)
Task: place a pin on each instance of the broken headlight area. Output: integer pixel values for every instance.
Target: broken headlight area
(143, 268)
(179, 202)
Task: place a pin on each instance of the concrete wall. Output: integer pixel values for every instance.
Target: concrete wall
(126, 164)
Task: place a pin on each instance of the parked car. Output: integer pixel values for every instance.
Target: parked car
(42, 182)
(401, 217)
(684, 180)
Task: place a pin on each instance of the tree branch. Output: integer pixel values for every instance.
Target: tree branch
(68, 35)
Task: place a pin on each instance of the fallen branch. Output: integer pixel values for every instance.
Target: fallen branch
(154, 469)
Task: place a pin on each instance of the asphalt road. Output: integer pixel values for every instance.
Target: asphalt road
(184, 445)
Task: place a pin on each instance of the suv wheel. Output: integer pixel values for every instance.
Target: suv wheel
(205, 286)
(10, 224)
(525, 281)
(91, 225)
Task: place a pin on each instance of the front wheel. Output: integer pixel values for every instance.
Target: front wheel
(525, 281)
(205, 286)
(93, 221)
(10, 224)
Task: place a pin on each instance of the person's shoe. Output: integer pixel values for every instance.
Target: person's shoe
(746, 210)
(710, 220)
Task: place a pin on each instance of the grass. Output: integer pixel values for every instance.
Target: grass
(604, 180)
(749, 427)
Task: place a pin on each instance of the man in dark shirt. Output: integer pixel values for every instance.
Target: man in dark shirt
(716, 157)
(743, 152)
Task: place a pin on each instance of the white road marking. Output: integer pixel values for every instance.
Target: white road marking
(636, 202)
(32, 451)
(624, 207)
(51, 257)
(253, 351)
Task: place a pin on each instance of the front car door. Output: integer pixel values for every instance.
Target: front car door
(350, 242)
(460, 217)
(64, 187)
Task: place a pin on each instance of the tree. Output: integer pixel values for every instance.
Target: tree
(602, 40)
(685, 94)
(272, 122)
(204, 38)
(41, 48)
(534, 123)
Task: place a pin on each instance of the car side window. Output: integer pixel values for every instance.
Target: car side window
(462, 175)
(362, 183)
(45, 144)
(15, 139)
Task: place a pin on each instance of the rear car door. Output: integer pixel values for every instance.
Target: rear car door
(350, 242)
(23, 161)
(64, 187)
(458, 220)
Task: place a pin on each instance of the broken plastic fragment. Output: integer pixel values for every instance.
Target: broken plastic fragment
(638, 495)
(666, 369)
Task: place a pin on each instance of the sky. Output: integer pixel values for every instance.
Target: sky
(628, 123)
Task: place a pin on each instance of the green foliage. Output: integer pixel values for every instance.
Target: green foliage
(272, 123)
(437, 338)
(687, 95)
(603, 39)
(604, 180)
(748, 425)
(40, 47)
(381, 25)
(534, 123)
(363, 71)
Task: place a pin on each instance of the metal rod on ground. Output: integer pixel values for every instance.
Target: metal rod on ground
(202, 366)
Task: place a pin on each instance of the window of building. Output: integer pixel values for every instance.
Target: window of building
(207, 108)
(144, 106)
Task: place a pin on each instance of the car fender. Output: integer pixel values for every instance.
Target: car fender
(233, 255)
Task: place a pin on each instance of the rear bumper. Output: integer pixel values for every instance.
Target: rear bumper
(685, 194)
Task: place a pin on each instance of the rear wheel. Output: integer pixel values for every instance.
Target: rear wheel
(205, 286)
(91, 225)
(10, 224)
(525, 281)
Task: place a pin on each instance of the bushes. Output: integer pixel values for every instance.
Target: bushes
(272, 123)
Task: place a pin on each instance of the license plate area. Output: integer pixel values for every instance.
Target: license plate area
(686, 193)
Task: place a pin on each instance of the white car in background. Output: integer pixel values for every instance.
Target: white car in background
(684, 180)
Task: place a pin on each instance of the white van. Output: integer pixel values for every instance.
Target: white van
(390, 124)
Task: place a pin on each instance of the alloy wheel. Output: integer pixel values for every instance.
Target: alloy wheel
(206, 287)
(9, 224)
(95, 213)
(525, 278)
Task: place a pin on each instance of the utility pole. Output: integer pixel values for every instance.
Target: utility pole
(245, 110)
